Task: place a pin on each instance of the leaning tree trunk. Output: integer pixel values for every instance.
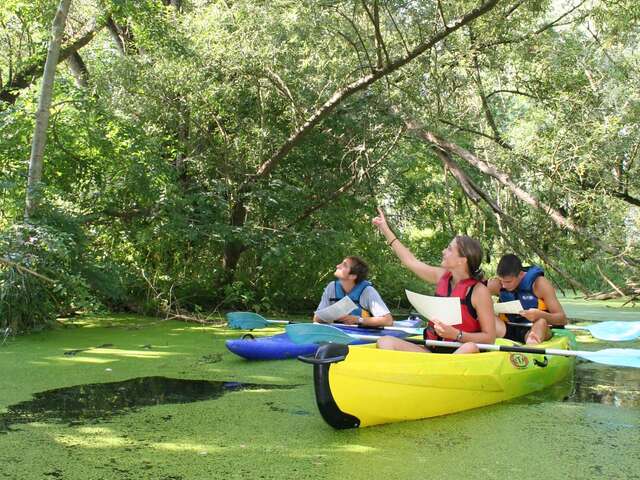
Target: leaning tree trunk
(78, 70)
(29, 73)
(476, 194)
(485, 167)
(234, 249)
(34, 183)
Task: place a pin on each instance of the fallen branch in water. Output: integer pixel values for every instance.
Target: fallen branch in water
(604, 295)
(190, 318)
(25, 270)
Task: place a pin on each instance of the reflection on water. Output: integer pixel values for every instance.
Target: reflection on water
(100, 401)
(612, 386)
(593, 383)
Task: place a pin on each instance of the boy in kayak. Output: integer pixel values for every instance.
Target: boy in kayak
(537, 296)
(458, 275)
(351, 280)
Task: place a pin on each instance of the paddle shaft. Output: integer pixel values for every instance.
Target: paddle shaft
(566, 327)
(484, 346)
(508, 348)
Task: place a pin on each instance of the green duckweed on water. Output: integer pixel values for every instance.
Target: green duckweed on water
(598, 311)
(585, 429)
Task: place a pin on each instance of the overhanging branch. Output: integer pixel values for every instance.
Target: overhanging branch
(360, 84)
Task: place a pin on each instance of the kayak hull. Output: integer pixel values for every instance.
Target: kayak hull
(362, 386)
(280, 347)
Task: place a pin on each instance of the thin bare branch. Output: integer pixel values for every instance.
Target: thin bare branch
(20, 268)
(375, 20)
(395, 26)
(441, 12)
(486, 108)
(557, 20)
(355, 29)
(467, 129)
(514, 92)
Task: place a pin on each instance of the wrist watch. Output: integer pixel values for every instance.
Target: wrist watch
(459, 336)
(360, 321)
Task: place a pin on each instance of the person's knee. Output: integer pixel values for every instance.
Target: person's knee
(542, 324)
(386, 343)
(468, 347)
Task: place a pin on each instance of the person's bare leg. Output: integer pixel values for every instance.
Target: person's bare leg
(501, 328)
(393, 343)
(468, 347)
(539, 332)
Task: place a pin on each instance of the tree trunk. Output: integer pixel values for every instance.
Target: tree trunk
(114, 32)
(78, 70)
(27, 75)
(34, 183)
(233, 248)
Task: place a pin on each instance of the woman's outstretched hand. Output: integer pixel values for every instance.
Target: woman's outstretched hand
(380, 221)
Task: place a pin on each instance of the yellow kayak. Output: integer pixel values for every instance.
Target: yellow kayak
(359, 386)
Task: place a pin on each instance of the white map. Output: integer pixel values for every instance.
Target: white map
(508, 307)
(342, 307)
(445, 309)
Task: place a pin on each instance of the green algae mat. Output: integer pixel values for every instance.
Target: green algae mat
(121, 397)
(598, 311)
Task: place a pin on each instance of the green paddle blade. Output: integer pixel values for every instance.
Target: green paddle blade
(246, 320)
(301, 333)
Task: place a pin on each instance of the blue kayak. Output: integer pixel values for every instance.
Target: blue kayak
(280, 347)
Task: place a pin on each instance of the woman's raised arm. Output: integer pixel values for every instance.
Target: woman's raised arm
(426, 272)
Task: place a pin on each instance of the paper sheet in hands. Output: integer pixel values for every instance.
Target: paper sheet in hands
(445, 309)
(336, 311)
(508, 307)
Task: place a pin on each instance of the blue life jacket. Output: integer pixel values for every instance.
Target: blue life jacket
(524, 293)
(354, 294)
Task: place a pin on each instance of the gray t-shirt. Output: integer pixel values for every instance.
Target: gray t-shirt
(370, 300)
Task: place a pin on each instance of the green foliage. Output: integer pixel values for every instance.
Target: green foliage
(153, 167)
(30, 302)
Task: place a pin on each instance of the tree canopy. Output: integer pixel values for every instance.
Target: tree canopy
(228, 153)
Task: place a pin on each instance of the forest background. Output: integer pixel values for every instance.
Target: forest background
(207, 155)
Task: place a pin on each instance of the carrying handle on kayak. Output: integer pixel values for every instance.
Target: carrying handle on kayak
(542, 363)
(320, 361)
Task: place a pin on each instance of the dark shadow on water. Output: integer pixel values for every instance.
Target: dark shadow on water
(97, 402)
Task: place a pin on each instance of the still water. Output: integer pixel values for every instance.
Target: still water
(92, 403)
(97, 402)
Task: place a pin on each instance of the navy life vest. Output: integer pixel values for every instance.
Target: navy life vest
(524, 293)
(354, 294)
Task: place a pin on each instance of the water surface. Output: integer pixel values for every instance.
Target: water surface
(100, 401)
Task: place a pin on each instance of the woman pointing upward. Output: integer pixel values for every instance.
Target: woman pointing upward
(459, 275)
